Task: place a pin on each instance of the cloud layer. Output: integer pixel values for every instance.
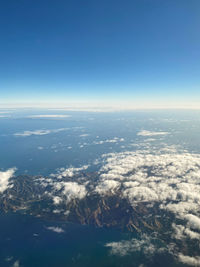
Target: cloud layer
(168, 180)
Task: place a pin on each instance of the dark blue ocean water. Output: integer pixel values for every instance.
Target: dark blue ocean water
(27, 241)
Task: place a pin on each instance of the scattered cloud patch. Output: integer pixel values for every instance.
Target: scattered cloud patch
(107, 186)
(69, 172)
(4, 179)
(70, 190)
(125, 247)
(193, 221)
(74, 190)
(151, 133)
(182, 232)
(16, 264)
(9, 258)
(165, 178)
(114, 140)
(58, 230)
(57, 200)
(40, 147)
(192, 261)
(40, 132)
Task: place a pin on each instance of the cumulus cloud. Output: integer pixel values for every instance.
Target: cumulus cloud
(193, 261)
(171, 179)
(182, 232)
(57, 200)
(151, 133)
(58, 230)
(40, 132)
(63, 188)
(166, 178)
(71, 190)
(69, 172)
(5, 177)
(107, 186)
(62, 191)
(193, 221)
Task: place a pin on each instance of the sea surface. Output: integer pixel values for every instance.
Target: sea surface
(40, 142)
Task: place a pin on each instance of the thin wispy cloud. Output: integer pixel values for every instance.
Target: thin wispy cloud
(151, 133)
(49, 116)
(5, 116)
(145, 244)
(40, 132)
(84, 135)
(114, 140)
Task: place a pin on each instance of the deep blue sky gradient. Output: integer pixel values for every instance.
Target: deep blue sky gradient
(100, 49)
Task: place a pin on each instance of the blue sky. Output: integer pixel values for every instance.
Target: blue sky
(141, 52)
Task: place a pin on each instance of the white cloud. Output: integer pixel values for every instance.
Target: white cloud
(114, 140)
(4, 179)
(57, 200)
(69, 172)
(161, 177)
(62, 188)
(40, 147)
(84, 135)
(193, 221)
(107, 186)
(58, 230)
(16, 264)
(193, 261)
(49, 116)
(73, 190)
(165, 177)
(151, 133)
(124, 247)
(181, 232)
(66, 191)
(40, 132)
